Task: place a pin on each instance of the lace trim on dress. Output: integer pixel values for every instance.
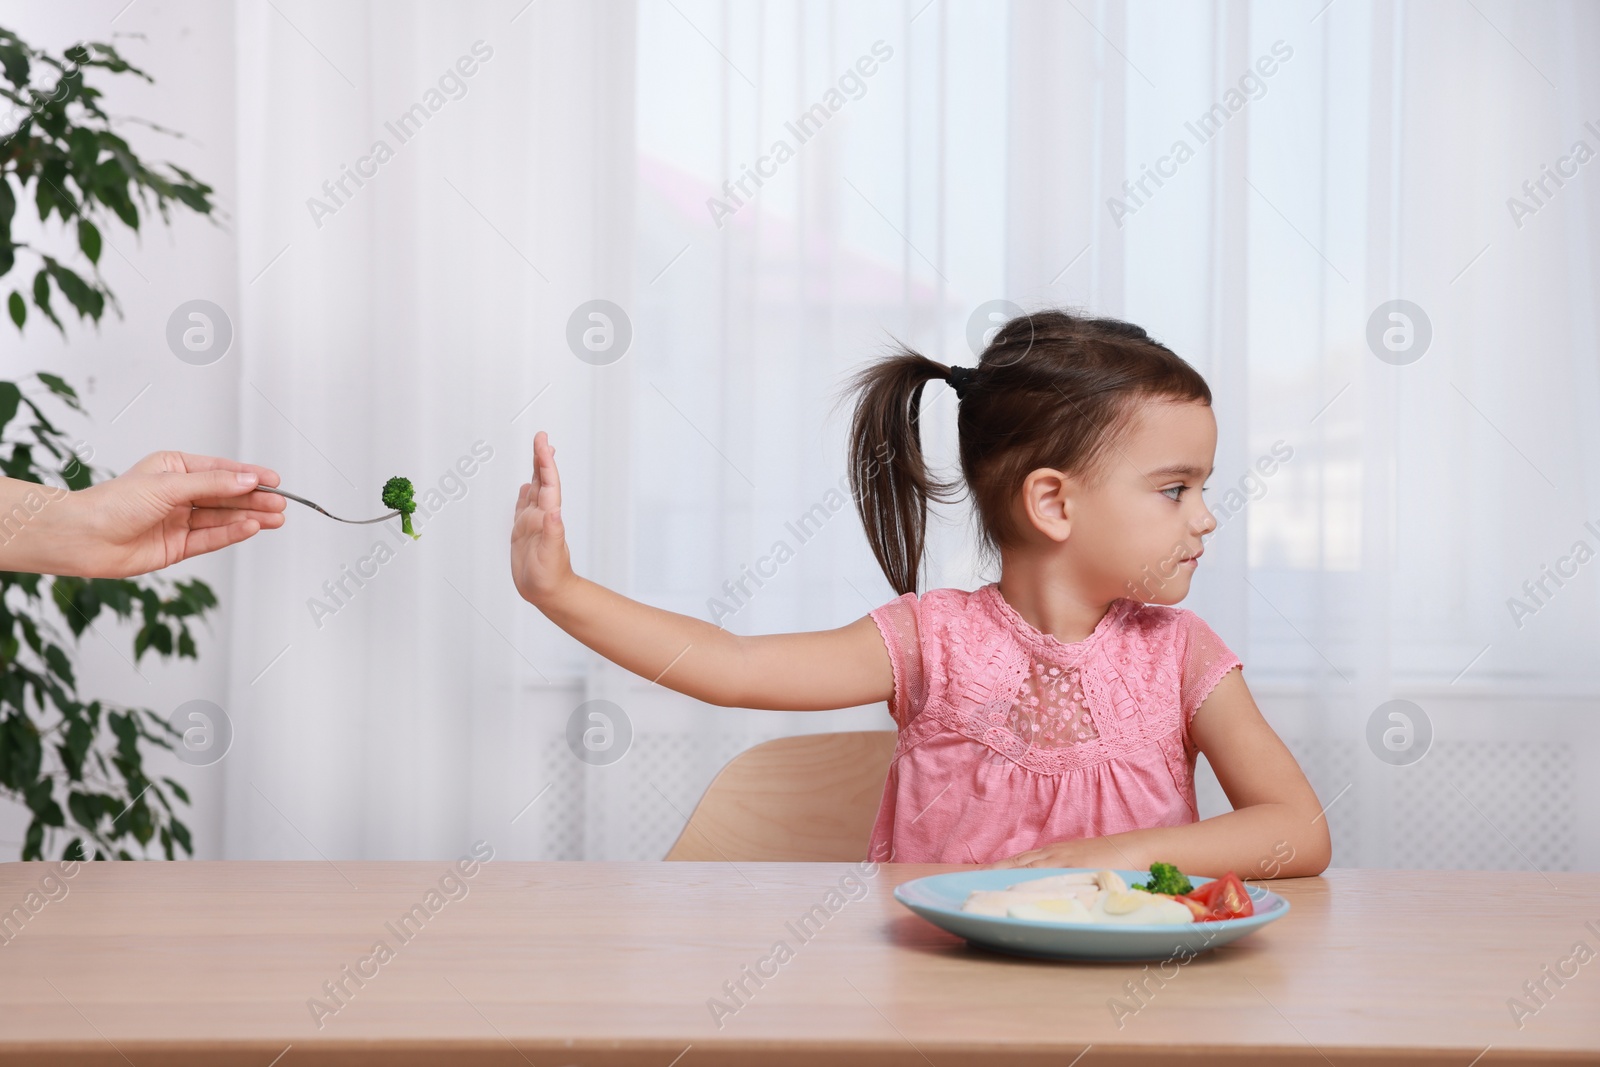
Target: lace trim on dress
(1050, 708)
(1206, 659)
(994, 723)
(904, 640)
(1048, 646)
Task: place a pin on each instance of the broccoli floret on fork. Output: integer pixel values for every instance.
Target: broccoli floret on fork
(398, 495)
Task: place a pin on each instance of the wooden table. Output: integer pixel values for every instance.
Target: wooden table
(616, 963)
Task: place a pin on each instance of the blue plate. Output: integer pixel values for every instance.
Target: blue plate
(938, 898)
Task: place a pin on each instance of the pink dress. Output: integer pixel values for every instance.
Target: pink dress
(1011, 740)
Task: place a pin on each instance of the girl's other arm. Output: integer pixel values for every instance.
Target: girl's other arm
(839, 668)
(1277, 829)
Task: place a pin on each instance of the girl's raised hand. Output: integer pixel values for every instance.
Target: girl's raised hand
(540, 564)
(840, 668)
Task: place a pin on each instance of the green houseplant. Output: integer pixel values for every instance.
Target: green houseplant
(77, 764)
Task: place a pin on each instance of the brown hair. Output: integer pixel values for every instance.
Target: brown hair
(1053, 389)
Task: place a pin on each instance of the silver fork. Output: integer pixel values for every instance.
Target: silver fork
(325, 511)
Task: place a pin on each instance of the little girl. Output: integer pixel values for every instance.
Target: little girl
(1051, 718)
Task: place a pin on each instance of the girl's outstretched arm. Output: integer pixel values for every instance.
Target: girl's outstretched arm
(1277, 828)
(841, 668)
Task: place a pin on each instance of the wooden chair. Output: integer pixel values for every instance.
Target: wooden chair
(811, 798)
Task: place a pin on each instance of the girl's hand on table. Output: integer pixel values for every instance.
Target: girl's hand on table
(1096, 852)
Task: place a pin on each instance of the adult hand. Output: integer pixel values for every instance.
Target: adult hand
(168, 507)
(540, 563)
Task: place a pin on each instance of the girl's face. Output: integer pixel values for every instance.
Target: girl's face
(1136, 533)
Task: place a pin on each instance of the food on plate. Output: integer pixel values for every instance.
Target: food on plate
(398, 495)
(1221, 898)
(1165, 878)
(997, 902)
(1107, 906)
(1103, 897)
(1052, 909)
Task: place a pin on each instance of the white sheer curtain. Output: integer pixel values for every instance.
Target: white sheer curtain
(412, 323)
(975, 162)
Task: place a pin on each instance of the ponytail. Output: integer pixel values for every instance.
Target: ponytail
(889, 477)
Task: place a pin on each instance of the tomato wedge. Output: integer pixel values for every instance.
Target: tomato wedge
(1220, 898)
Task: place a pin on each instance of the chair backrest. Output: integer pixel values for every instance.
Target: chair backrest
(810, 798)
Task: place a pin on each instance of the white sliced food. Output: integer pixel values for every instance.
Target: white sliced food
(1137, 906)
(1111, 881)
(1051, 910)
(994, 902)
(1054, 882)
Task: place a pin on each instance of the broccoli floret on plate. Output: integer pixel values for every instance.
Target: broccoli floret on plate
(1165, 878)
(398, 495)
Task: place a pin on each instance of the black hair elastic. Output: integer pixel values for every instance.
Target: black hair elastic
(959, 378)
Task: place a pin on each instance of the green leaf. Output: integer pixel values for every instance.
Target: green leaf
(10, 770)
(44, 200)
(139, 822)
(197, 595)
(77, 475)
(30, 631)
(19, 464)
(59, 387)
(89, 240)
(78, 601)
(20, 738)
(53, 173)
(79, 736)
(10, 397)
(40, 798)
(127, 732)
(41, 297)
(85, 298)
(14, 60)
(154, 635)
(115, 593)
(16, 695)
(85, 809)
(85, 149)
(18, 309)
(124, 207)
(59, 664)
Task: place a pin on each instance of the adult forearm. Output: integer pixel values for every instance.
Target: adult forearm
(30, 538)
(682, 653)
(1260, 841)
